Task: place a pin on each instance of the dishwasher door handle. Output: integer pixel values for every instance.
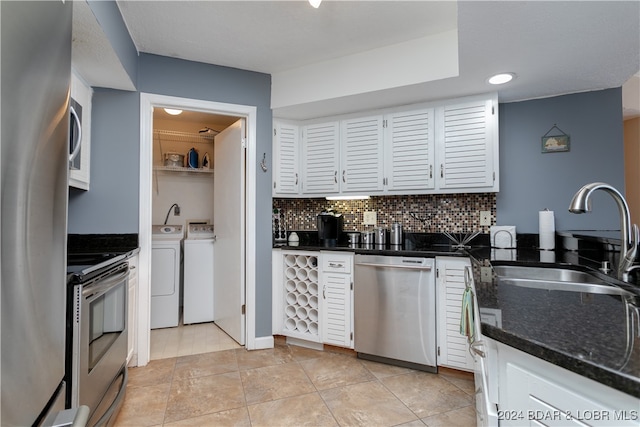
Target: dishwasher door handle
(406, 267)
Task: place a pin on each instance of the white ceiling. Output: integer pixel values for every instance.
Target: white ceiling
(555, 48)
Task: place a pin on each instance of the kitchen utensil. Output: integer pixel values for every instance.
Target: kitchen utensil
(368, 237)
(381, 236)
(294, 239)
(329, 227)
(192, 159)
(463, 241)
(503, 236)
(277, 224)
(396, 234)
(174, 159)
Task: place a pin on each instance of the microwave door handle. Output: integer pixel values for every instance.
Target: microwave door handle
(76, 149)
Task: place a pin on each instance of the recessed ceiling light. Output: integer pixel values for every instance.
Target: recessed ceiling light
(173, 111)
(501, 78)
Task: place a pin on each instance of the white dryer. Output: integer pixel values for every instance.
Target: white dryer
(198, 273)
(165, 275)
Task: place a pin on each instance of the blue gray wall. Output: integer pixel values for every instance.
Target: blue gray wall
(108, 16)
(111, 206)
(531, 181)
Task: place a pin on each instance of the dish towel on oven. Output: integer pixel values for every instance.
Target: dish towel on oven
(467, 321)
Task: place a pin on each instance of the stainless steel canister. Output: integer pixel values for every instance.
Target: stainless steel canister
(381, 236)
(396, 234)
(354, 239)
(368, 238)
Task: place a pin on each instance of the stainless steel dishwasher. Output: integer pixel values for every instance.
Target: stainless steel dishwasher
(395, 310)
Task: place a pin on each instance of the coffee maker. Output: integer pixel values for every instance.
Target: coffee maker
(329, 227)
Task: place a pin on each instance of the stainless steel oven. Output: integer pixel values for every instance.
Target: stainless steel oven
(98, 329)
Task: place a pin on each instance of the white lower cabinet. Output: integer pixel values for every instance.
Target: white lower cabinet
(132, 318)
(453, 350)
(337, 298)
(312, 296)
(534, 392)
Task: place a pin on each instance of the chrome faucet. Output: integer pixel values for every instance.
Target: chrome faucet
(629, 247)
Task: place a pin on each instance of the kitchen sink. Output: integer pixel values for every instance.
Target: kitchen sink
(556, 279)
(544, 273)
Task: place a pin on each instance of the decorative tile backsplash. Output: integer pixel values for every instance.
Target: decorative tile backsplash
(456, 213)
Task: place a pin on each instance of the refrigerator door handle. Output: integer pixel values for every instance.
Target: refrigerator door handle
(76, 149)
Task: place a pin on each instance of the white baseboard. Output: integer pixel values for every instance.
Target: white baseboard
(261, 343)
(306, 344)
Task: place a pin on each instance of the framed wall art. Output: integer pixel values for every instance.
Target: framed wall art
(555, 140)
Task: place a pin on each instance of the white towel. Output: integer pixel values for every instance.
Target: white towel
(467, 320)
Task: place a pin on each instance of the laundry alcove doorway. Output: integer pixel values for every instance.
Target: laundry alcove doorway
(240, 323)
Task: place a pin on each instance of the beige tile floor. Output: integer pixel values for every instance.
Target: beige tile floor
(184, 340)
(292, 386)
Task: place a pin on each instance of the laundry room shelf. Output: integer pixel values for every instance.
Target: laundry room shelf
(178, 169)
(186, 137)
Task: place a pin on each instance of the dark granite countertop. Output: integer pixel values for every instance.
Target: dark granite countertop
(415, 245)
(584, 333)
(85, 244)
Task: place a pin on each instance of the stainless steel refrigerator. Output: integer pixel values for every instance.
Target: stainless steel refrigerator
(35, 76)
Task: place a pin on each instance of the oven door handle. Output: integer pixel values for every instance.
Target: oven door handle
(94, 291)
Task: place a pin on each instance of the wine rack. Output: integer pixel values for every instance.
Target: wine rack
(301, 311)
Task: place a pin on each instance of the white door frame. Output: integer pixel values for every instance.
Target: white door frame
(147, 102)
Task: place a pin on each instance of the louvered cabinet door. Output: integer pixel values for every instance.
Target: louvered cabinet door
(409, 158)
(362, 155)
(468, 138)
(336, 296)
(320, 158)
(453, 350)
(336, 309)
(286, 149)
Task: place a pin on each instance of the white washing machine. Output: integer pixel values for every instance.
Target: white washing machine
(198, 273)
(165, 275)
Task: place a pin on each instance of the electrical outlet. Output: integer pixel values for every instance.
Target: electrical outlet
(370, 218)
(485, 217)
(485, 274)
(176, 210)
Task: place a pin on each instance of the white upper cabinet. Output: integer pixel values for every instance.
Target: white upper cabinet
(321, 158)
(409, 150)
(467, 145)
(432, 148)
(362, 155)
(286, 159)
